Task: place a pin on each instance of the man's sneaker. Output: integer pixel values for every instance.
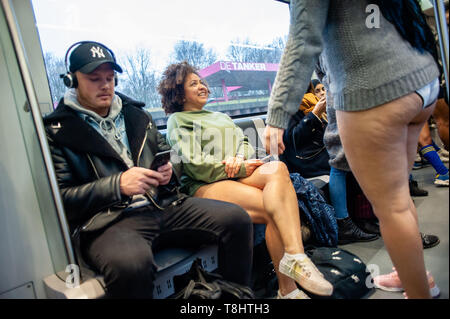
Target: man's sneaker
(305, 273)
(391, 282)
(295, 294)
(417, 165)
(420, 162)
(441, 180)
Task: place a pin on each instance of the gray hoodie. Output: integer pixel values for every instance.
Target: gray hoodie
(111, 127)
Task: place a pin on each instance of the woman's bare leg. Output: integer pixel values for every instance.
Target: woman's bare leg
(380, 144)
(280, 202)
(251, 199)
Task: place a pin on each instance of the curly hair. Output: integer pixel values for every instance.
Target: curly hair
(171, 86)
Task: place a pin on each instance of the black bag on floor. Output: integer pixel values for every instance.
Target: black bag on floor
(197, 283)
(345, 271)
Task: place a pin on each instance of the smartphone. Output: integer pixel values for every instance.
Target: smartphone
(161, 158)
(267, 159)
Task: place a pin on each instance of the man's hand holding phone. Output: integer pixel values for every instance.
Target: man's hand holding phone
(138, 180)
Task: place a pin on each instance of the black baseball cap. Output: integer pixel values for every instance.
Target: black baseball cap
(90, 55)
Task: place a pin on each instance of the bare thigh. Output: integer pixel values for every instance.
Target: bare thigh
(267, 172)
(380, 144)
(248, 197)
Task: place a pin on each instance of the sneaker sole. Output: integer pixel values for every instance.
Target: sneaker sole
(422, 166)
(434, 292)
(313, 290)
(310, 287)
(431, 245)
(441, 183)
(348, 241)
(391, 289)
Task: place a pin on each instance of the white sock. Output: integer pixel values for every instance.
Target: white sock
(290, 295)
(299, 257)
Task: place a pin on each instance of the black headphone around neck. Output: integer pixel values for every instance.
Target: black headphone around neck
(69, 79)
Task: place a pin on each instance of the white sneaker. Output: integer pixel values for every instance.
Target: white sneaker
(306, 274)
(441, 180)
(295, 294)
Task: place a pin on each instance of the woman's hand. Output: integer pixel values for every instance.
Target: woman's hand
(233, 165)
(320, 107)
(251, 165)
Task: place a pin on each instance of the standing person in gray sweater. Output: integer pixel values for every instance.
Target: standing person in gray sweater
(382, 82)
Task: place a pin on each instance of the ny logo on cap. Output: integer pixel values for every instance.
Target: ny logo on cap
(97, 51)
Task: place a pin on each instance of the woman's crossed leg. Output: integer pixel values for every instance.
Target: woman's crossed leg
(269, 198)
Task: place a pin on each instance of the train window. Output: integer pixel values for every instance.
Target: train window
(236, 45)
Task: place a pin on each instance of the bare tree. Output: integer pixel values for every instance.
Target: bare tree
(277, 45)
(194, 53)
(54, 67)
(247, 51)
(140, 80)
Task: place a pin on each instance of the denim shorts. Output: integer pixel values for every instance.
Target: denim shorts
(429, 93)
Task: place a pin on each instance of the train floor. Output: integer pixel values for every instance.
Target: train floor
(433, 213)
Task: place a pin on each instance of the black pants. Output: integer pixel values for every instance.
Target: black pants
(123, 252)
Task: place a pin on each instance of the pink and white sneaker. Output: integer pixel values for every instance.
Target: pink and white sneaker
(391, 282)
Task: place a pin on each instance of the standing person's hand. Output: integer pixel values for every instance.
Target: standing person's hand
(138, 180)
(273, 140)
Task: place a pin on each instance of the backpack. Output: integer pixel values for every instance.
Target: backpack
(200, 284)
(358, 205)
(345, 271)
(315, 212)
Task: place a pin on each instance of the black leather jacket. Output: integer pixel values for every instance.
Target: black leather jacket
(88, 169)
(305, 151)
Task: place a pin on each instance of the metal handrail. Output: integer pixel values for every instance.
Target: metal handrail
(39, 125)
(441, 26)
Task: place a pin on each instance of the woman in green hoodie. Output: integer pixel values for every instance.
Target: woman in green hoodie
(217, 165)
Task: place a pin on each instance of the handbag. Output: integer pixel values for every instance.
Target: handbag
(200, 284)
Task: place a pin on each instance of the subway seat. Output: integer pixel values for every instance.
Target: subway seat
(175, 261)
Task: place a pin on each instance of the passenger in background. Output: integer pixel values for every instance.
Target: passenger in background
(428, 150)
(382, 80)
(103, 145)
(307, 155)
(217, 165)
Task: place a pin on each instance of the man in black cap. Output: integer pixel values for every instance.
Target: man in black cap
(119, 210)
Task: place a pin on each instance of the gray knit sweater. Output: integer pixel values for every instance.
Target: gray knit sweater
(364, 67)
(367, 67)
